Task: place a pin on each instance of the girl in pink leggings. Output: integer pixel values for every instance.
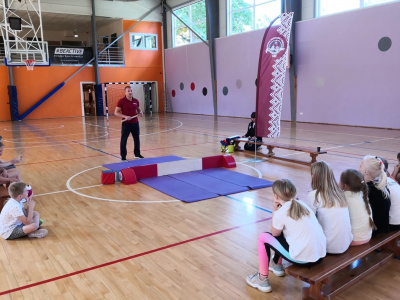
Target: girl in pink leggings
(296, 235)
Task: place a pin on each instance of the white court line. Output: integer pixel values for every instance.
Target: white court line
(110, 200)
(74, 140)
(255, 169)
(113, 200)
(90, 140)
(58, 192)
(61, 126)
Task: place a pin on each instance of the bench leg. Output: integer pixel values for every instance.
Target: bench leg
(313, 291)
(313, 158)
(393, 246)
(270, 152)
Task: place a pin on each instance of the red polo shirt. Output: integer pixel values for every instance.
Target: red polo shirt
(129, 108)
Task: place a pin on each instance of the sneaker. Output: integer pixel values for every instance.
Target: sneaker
(40, 233)
(277, 269)
(139, 156)
(124, 160)
(255, 281)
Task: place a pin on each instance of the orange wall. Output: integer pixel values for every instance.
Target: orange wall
(144, 63)
(140, 65)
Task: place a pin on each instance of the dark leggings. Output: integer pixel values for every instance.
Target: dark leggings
(126, 130)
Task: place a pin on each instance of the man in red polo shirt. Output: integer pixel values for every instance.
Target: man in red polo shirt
(128, 109)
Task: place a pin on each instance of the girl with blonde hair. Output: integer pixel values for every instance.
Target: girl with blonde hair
(329, 204)
(373, 171)
(295, 235)
(356, 193)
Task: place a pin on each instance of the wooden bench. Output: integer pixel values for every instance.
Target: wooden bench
(3, 195)
(270, 146)
(338, 272)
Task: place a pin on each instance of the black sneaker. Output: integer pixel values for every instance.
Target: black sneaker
(139, 156)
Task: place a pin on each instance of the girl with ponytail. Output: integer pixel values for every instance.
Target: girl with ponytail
(295, 235)
(372, 169)
(356, 193)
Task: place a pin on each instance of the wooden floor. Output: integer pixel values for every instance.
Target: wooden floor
(133, 242)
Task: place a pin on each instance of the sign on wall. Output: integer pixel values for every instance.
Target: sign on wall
(70, 55)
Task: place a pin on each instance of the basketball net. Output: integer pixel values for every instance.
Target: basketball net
(30, 63)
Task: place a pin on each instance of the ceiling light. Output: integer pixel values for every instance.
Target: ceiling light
(75, 34)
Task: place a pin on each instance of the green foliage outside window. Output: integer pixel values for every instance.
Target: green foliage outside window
(195, 17)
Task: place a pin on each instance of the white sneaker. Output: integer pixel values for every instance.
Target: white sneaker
(277, 269)
(40, 233)
(255, 281)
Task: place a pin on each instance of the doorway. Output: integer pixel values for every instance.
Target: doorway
(88, 99)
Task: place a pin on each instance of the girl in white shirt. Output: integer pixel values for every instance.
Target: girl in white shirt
(356, 192)
(394, 189)
(329, 204)
(295, 235)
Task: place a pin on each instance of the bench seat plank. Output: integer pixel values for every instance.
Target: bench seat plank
(337, 272)
(270, 146)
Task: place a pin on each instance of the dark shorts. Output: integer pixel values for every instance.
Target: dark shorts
(17, 233)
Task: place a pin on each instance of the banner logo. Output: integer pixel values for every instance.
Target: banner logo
(274, 46)
(69, 51)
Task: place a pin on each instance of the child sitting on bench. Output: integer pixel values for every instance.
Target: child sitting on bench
(329, 204)
(396, 170)
(394, 189)
(295, 235)
(356, 193)
(251, 134)
(373, 170)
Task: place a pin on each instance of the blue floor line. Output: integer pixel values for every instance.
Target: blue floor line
(258, 207)
(99, 150)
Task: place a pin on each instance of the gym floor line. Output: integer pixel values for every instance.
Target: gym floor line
(130, 257)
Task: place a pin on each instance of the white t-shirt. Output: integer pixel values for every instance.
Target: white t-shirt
(307, 242)
(394, 213)
(359, 217)
(335, 222)
(9, 217)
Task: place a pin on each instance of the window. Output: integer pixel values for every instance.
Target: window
(143, 41)
(247, 15)
(194, 16)
(327, 7)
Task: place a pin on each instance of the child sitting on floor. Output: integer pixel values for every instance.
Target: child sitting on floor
(15, 220)
(295, 235)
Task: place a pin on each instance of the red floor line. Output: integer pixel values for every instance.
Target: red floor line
(128, 258)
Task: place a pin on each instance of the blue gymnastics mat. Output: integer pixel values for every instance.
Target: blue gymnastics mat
(237, 178)
(196, 186)
(178, 189)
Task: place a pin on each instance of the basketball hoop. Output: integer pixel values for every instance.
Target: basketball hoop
(30, 63)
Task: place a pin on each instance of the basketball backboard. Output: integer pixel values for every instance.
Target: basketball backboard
(21, 28)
